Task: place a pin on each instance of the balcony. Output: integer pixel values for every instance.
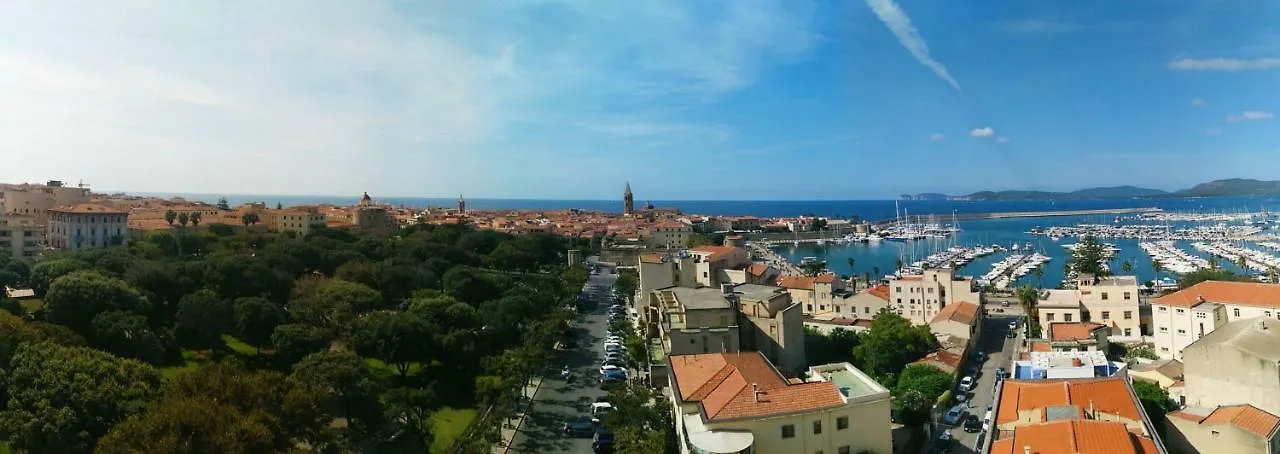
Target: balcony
(704, 440)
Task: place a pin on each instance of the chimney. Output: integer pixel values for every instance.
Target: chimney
(1093, 412)
(1200, 298)
(726, 289)
(755, 391)
(1026, 449)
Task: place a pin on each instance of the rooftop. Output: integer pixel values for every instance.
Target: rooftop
(960, 311)
(87, 208)
(796, 282)
(1073, 437)
(880, 291)
(725, 385)
(1171, 368)
(1060, 365)
(1240, 293)
(1246, 417)
(1116, 281)
(698, 298)
(1064, 332)
(714, 253)
(753, 292)
(1105, 395)
(1059, 298)
(1259, 337)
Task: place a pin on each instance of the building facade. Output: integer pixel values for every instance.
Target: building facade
(300, 222)
(865, 304)
(732, 318)
(37, 200)
(739, 403)
(1237, 363)
(1111, 301)
(920, 298)
(21, 236)
(1182, 317)
(86, 226)
(1237, 429)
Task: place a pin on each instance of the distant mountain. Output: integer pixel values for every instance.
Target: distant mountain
(1231, 186)
(1218, 188)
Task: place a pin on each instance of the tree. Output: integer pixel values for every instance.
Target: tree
(45, 271)
(249, 219)
(256, 319)
(876, 271)
(62, 399)
(1154, 400)
(1208, 274)
(391, 336)
(818, 225)
(234, 276)
(928, 380)
(1039, 272)
(1213, 261)
(813, 268)
(1088, 257)
(467, 285)
(222, 204)
(913, 407)
(75, 299)
(1029, 298)
(890, 344)
(1156, 267)
(1126, 267)
(127, 335)
(511, 257)
(413, 407)
(181, 425)
(203, 318)
(195, 219)
(345, 386)
(626, 284)
(897, 264)
(834, 347)
(331, 303)
(295, 341)
(170, 216)
(184, 218)
(1242, 262)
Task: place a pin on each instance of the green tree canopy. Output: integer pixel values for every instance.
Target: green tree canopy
(203, 317)
(393, 337)
(45, 271)
(890, 344)
(127, 335)
(331, 303)
(928, 380)
(344, 386)
(256, 319)
(76, 298)
(62, 399)
(295, 341)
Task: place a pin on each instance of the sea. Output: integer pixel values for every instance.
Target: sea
(872, 257)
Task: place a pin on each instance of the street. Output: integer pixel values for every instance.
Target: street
(999, 349)
(557, 401)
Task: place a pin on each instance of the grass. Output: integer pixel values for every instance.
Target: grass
(190, 361)
(238, 346)
(30, 305)
(4, 447)
(447, 424)
(389, 370)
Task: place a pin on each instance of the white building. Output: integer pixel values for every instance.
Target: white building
(1062, 364)
(920, 298)
(20, 236)
(87, 225)
(1111, 301)
(1182, 317)
(739, 403)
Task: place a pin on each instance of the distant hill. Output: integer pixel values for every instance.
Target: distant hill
(1231, 186)
(1218, 188)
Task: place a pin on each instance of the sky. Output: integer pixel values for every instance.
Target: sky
(686, 100)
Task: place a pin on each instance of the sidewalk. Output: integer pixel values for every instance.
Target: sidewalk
(507, 432)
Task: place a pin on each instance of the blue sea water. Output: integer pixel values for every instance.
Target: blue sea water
(867, 257)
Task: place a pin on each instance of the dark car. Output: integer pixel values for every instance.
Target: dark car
(999, 373)
(608, 381)
(580, 427)
(972, 424)
(943, 444)
(603, 443)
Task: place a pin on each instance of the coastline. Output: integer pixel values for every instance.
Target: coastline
(1034, 214)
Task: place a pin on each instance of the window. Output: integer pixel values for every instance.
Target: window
(1236, 312)
(897, 289)
(913, 301)
(842, 450)
(1066, 317)
(808, 307)
(1049, 316)
(1128, 296)
(1163, 309)
(1266, 313)
(930, 289)
(837, 309)
(866, 310)
(1128, 315)
(789, 431)
(1164, 329)
(1106, 315)
(1182, 332)
(842, 423)
(1128, 332)
(817, 427)
(1180, 311)
(1164, 349)
(1104, 296)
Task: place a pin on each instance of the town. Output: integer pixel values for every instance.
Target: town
(723, 346)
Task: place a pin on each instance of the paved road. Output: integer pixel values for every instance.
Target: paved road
(999, 349)
(557, 401)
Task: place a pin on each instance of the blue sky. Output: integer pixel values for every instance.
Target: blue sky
(786, 99)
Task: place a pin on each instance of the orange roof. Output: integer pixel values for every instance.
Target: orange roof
(880, 291)
(960, 311)
(757, 269)
(941, 357)
(914, 277)
(1242, 293)
(717, 252)
(1106, 395)
(1073, 437)
(722, 383)
(87, 208)
(1041, 347)
(796, 282)
(825, 278)
(1247, 417)
(1062, 332)
(650, 258)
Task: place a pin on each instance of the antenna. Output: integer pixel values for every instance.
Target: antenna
(755, 391)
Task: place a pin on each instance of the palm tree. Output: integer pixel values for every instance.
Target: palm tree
(1126, 267)
(195, 219)
(898, 264)
(249, 219)
(1213, 261)
(1155, 266)
(170, 216)
(184, 218)
(1271, 273)
(876, 271)
(1242, 262)
(1039, 272)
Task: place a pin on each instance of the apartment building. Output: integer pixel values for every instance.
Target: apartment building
(669, 234)
(1096, 415)
(957, 323)
(818, 295)
(86, 226)
(863, 305)
(920, 298)
(300, 222)
(703, 266)
(37, 200)
(1182, 317)
(1235, 429)
(20, 236)
(1066, 364)
(731, 318)
(1078, 336)
(1111, 301)
(739, 403)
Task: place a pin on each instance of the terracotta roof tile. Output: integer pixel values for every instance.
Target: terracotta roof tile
(1106, 395)
(796, 282)
(1241, 293)
(1062, 332)
(757, 269)
(1246, 417)
(1074, 437)
(1041, 347)
(825, 278)
(722, 383)
(716, 252)
(950, 360)
(960, 311)
(880, 291)
(87, 208)
(650, 258)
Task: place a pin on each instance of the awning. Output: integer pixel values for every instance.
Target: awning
(716, 441)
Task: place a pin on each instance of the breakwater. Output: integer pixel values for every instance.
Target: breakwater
(946, 218)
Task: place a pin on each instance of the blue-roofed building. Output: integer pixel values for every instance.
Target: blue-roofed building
(1059, 365)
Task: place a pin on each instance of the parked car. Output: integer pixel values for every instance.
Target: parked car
(580, 426)
(610, 380)
(1000, 373)
(614, 338)
(598, 410)
(953, 415)
(1013, 326)
(966, 384)
(603, 443)
(943, 444)
(972, 424)
(611, 368)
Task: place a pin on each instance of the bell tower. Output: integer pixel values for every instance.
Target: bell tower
(628, 201)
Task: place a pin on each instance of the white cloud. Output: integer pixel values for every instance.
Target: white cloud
(984, 131)
(1250, 115)
(1002, 139)
(1197, 102)
(1224, 64)
(370, 95)
(898, 22)
(1213, 131)
(937, 137)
